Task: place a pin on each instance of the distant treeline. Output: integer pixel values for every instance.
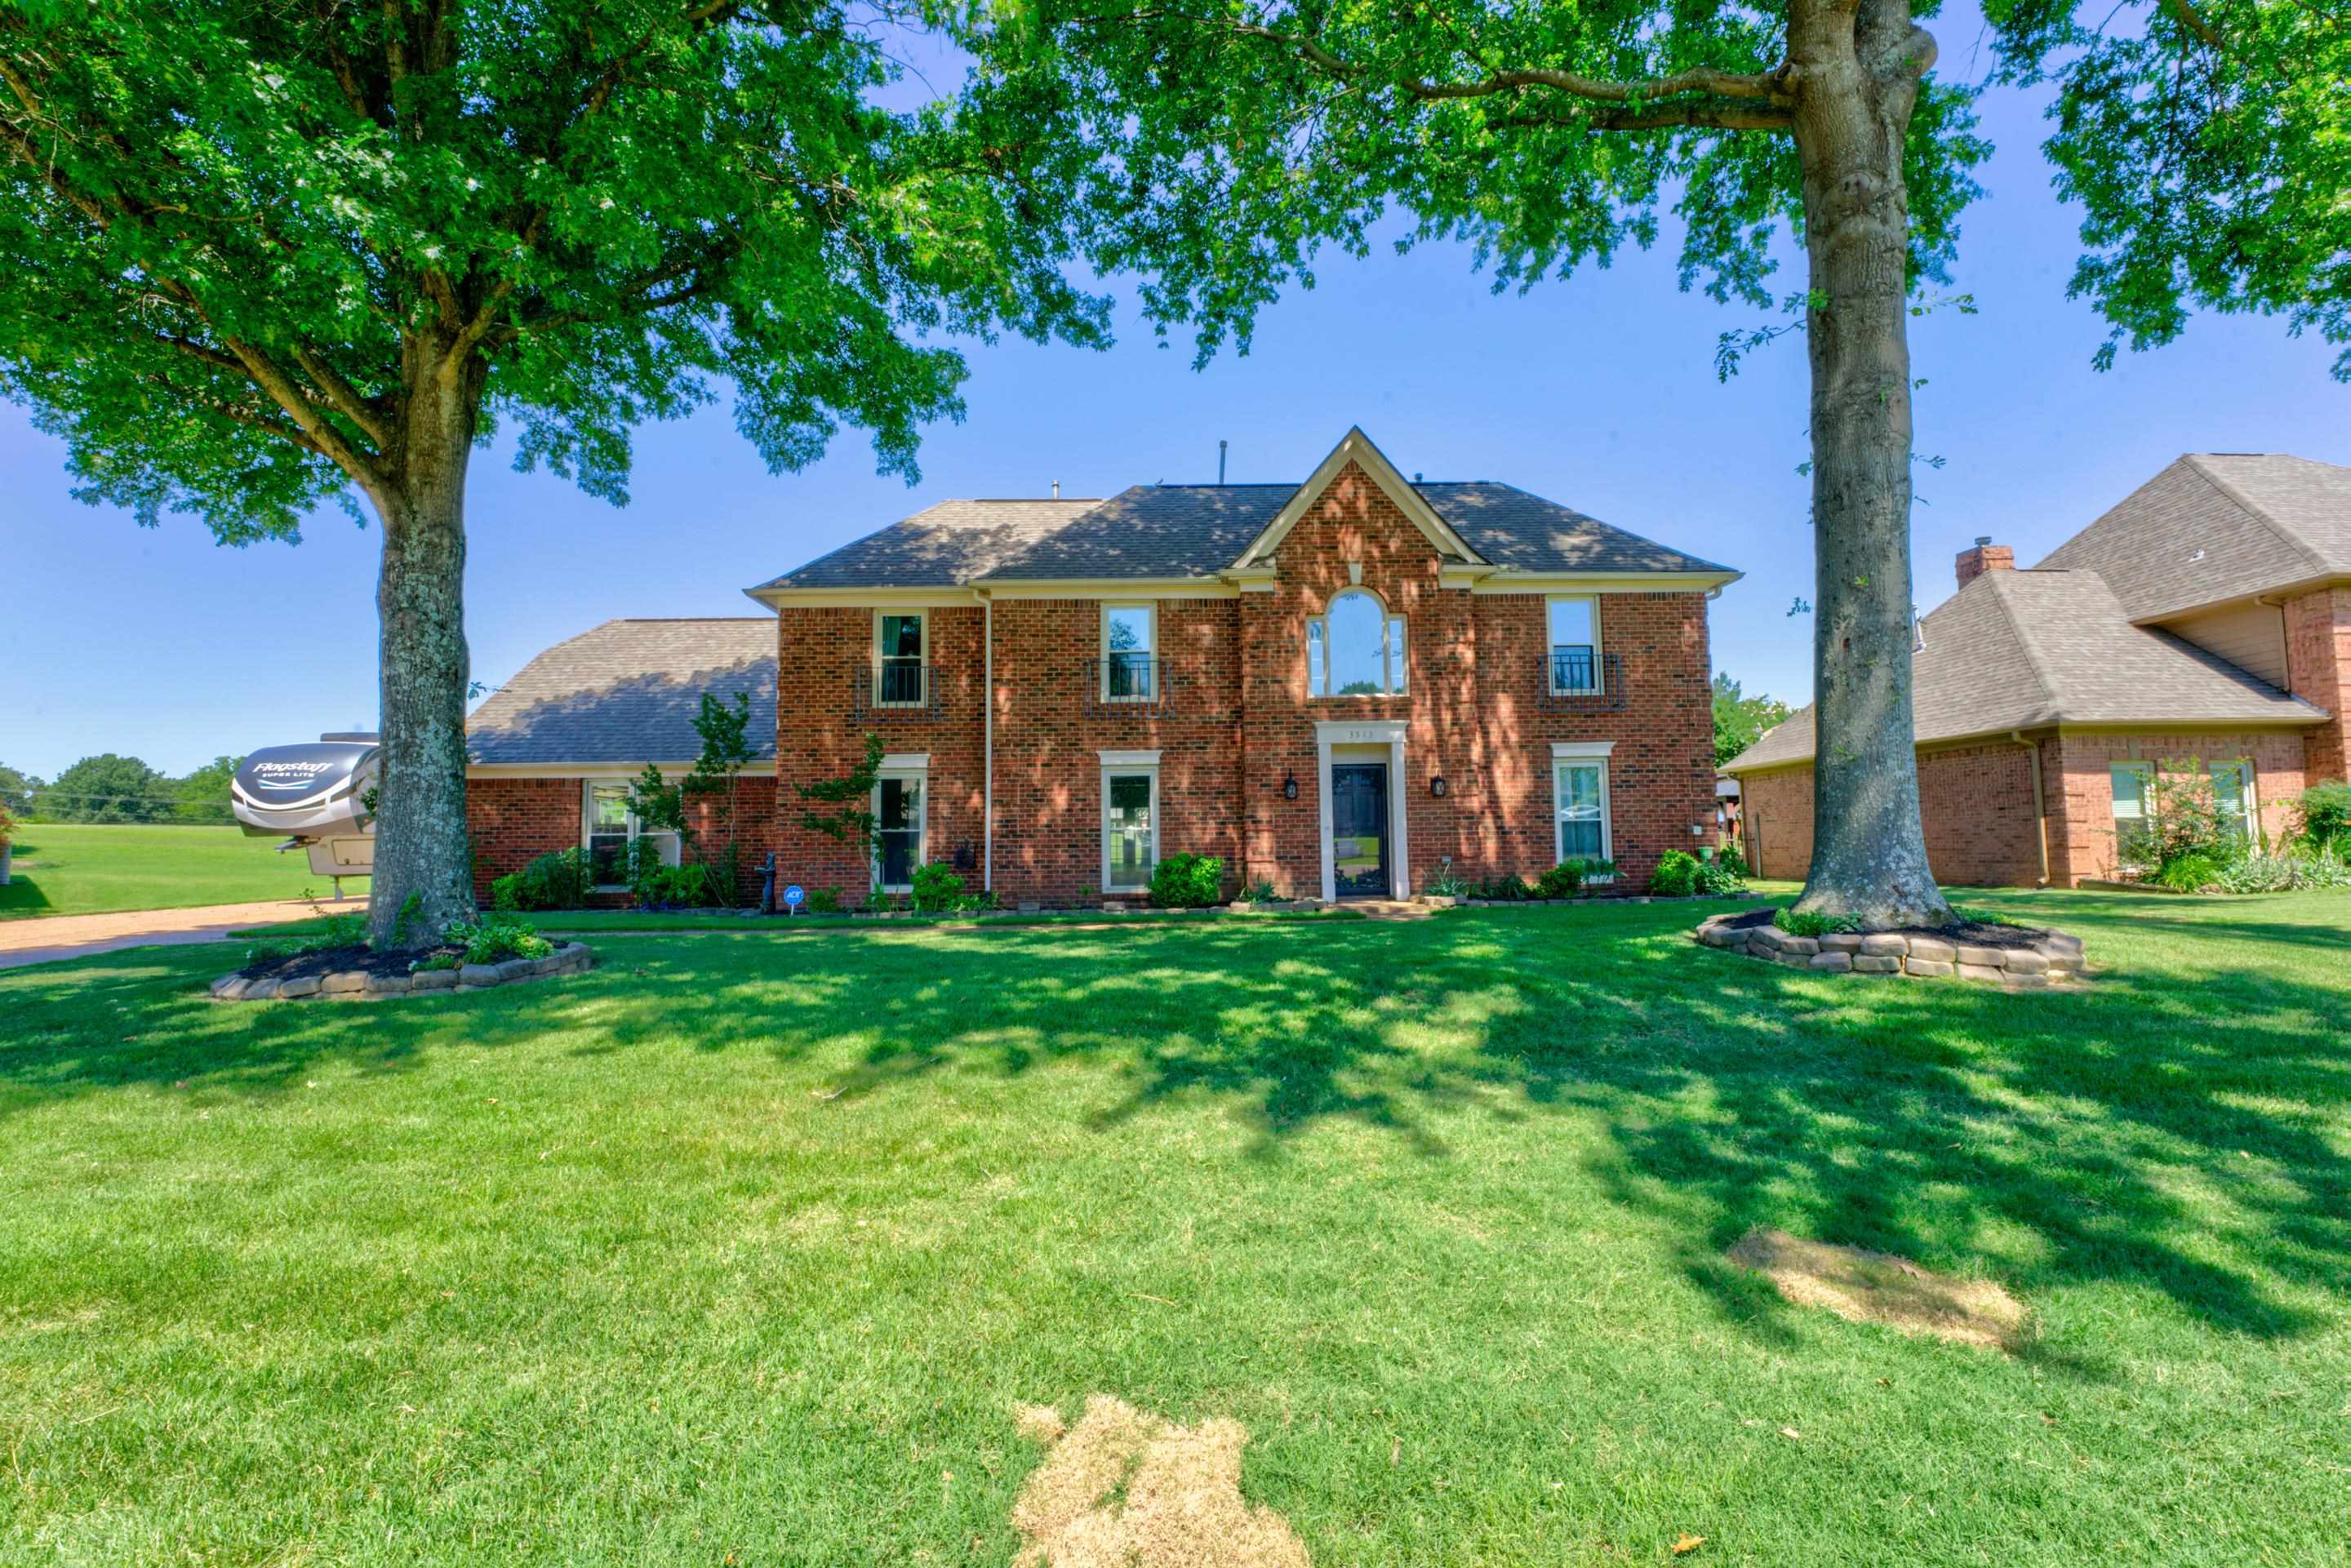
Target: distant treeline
(113, 789)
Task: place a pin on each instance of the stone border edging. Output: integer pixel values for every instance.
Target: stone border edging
(2054, 959)
(355, 984)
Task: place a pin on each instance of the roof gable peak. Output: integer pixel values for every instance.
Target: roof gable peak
(1359, 449)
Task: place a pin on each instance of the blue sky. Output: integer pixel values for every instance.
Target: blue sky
(1598, 391)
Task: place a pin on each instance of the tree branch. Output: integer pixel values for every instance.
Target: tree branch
(1766, 87)
(1700, 116)
(2193, 20)
(345, 397)
(281, 388)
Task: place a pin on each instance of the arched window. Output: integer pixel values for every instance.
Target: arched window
(1356, 649)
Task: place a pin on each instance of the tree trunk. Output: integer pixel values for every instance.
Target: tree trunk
(1856, 82)
(422, 850)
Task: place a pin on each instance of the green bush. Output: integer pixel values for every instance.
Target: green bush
(494, 941)
(1188, 882)
(1564, 880)
(506, 892)
(1504, 889)
(825, 901)
(1261, 891)
(1676, 874)
(1812, 922)
(558, 881)
(2191, 872)
(2322, 816)
(1720, 877)
(938, 887)
(679, 887)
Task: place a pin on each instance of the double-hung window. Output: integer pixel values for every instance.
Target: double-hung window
(608, 826)
(2233, 796)
(1130, 814)
(2133, 846)
(1575, 626)
(1356, 649)
(1579, 791)
(900, 640)
(1129, 643)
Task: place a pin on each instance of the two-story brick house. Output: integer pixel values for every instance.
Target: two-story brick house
(1335, 686)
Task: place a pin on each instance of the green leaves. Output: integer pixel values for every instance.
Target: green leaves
(240, 240)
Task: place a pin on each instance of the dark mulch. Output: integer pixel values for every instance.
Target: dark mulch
(1972, 933)
(335, 960)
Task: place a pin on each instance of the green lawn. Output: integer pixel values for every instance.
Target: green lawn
(745, 1247)
(89, 869)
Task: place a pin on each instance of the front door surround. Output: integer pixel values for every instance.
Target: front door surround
(1357, 734)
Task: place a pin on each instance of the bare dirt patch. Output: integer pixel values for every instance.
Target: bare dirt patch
(1879, 1288)
(1124, 1488)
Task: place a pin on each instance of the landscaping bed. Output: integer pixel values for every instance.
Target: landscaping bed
(2019, 956)
(362, 971)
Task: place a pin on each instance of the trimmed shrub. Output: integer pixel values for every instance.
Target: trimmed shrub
(1676, 874)
(558, 881)
(1564, 880)
(938, 887)
(506, 893)
(1187, 881)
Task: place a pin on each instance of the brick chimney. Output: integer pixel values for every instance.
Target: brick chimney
(1986, 557)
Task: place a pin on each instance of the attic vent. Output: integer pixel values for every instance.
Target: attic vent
(1917, 631)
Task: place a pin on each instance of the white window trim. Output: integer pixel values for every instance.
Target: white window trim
(1393, 658)
(922, 614)
(1151, 653)
(1129, 765)
(674, 853)
(902, 766)
(1550, 668)
(1572, 757)
(1388, 732)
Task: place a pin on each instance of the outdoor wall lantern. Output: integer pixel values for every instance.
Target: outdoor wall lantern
(1290, 785)
(1439, 787)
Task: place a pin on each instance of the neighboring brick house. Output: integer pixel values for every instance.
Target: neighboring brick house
(1334, 686)
(2205, 619)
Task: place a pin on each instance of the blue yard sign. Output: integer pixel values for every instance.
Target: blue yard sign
(794, 896)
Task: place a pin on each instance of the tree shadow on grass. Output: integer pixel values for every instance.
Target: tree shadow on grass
(2175, 1128)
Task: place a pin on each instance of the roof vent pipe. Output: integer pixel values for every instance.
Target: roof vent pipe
(1220, 462)
(1057, 489)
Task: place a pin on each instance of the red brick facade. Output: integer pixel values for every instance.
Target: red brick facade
(2318, 667)
(1977, 805)
(1237, 721)
(513, 821)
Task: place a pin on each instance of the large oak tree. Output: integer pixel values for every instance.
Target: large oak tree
(256, 254)
(1229, 140)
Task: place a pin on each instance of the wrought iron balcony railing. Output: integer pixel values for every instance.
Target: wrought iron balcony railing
(1128, 683)
(1580, 682)
(900, 691)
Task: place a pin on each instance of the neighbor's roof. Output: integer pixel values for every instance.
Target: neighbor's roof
(2025, 650)
(1197, 530)
(628, 692)
(2215, 527)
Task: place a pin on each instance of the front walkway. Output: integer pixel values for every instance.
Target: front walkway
(56, 936)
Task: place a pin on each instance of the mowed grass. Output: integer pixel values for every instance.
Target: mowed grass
(78, 868)
(744, 1248)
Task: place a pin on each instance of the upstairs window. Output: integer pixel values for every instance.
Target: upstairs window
(1356, 649)
(899, 644)
(1574, 645)
(1128, 645)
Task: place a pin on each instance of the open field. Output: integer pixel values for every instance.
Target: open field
(749, 1246)
(74, 868)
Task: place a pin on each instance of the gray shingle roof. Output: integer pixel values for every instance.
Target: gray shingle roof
(627, 692)
(1197, 530)
(2214, 526)
(2024, 650)
(949, 544)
